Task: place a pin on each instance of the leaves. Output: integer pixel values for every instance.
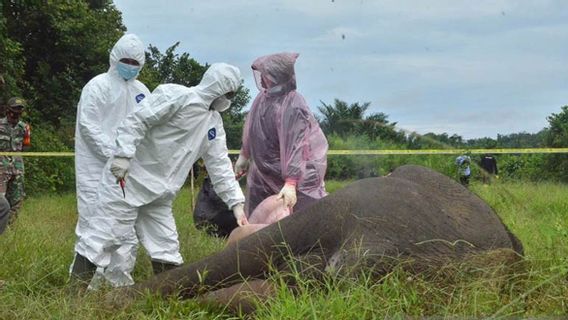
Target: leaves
(170, 67)
(346, 119)
(66, 43)
(556, 136)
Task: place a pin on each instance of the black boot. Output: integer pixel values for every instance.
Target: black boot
(160, 267)
(82, 272)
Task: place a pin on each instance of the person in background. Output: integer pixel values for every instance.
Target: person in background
(14, 137)
(156, 146)
(282, 142)
(464, 171)
(105, 101)
(4, 214)
(4, 218)
(489, 168)
(4, 204)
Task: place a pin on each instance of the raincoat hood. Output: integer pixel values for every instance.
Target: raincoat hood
(218, 80)
(275, 72)
(128, 46)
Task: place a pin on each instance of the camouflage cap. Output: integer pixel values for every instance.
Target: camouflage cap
(16, 104)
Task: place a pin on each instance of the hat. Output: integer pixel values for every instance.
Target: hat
(16, 104)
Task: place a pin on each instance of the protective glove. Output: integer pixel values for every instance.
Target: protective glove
(239, 212)
(288, 194)
(241, 166)
(119, 167)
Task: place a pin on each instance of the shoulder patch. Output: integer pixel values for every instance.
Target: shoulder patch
(211, 134)
(140, 97)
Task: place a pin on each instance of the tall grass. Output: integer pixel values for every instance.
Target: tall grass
(37, 251)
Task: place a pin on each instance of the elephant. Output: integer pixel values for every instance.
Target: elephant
(414, 214)
(211, 213)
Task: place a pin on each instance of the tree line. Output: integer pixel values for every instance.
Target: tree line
(50, 49)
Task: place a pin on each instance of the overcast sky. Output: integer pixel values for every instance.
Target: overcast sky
(475, 68)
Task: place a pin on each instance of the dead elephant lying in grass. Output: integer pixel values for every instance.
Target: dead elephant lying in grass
(414, 214)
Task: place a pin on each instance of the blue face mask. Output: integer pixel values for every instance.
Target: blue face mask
(127, 71)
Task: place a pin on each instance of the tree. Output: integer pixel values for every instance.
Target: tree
(346, 119)
(341, 118)
(48, 51)
(234, 118)
(521, 140)
(377, 126)
(483, 143)
(11, 65)
(66, 43)
(556, 136)
(170, 67)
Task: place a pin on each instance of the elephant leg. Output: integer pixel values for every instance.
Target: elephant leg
(242, 296)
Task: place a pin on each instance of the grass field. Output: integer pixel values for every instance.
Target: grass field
(37, 251)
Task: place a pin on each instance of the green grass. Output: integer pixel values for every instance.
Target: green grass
(37, 251)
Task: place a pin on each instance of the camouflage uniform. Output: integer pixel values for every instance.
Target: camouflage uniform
(12, 168)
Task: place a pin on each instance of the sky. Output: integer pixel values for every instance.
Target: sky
(473, 68)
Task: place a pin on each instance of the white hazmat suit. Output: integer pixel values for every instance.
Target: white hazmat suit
(105, 101)
(174, 127)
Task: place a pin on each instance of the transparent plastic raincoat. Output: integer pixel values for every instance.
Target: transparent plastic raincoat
(281, 137)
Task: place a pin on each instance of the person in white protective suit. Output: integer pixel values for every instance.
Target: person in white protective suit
(156, 147)
(105, 101)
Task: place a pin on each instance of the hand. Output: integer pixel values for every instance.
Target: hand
(239, 212)
(119, 167)
(288, 194)
(241, 166)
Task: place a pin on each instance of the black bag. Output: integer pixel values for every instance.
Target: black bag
(211, 213)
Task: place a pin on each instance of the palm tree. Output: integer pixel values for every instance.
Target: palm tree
(376, 126)
(346, 119)
(341, 118)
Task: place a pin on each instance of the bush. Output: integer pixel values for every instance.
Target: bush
(511, 166)
(362, 166)
(48, 174)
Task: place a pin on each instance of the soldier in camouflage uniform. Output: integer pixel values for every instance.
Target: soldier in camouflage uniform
(14, 137)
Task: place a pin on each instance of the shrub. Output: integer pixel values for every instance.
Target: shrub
(48, 174)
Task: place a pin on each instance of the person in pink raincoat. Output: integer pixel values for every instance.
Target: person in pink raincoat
(284, 150)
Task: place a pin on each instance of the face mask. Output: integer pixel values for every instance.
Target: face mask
(127, 71)
(221, 104)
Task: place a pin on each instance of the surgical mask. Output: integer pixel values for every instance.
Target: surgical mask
(221, 104)
(127, 71)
